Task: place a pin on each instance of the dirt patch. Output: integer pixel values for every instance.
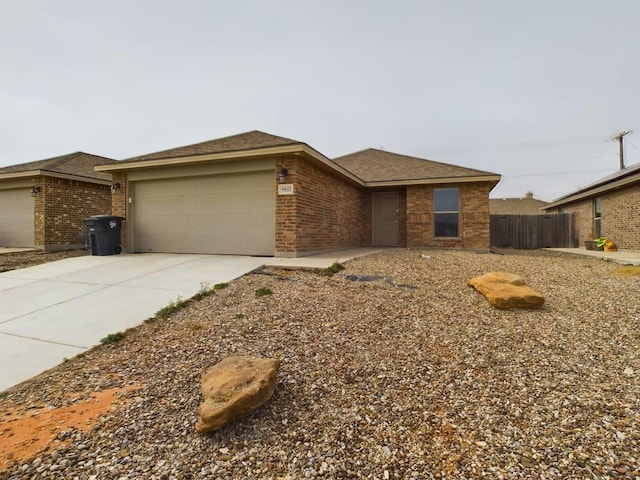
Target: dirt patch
(633, 271)
(28, 430)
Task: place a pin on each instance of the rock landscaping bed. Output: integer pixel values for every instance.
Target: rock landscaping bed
(13, 261)
(419, 377)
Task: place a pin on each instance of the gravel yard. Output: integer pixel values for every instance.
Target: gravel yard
(15, 260)
(415, 377)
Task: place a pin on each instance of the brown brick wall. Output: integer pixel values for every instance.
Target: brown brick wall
(366, 218)
(474, 217)
(325, 213)
(39, 214)
(60, 210)
(119, 204)
(620, 217)
(402, 218)
(582, 219)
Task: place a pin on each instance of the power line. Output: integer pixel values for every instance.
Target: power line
(533, 145)
(631, 143)
(569, 172)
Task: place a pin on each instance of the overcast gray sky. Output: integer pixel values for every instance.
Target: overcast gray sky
(530, 89)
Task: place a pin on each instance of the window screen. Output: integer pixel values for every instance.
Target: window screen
(446, 212)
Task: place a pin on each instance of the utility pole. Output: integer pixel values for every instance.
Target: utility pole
(619, 138)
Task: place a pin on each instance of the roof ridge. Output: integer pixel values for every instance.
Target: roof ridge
(57, 161)
(191, 149)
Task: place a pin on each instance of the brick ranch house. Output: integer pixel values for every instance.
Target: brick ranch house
(526, 205)
(259, 194)
(43, 203)
(608, 207)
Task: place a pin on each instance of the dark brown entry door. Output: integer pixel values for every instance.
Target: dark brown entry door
(385, 219)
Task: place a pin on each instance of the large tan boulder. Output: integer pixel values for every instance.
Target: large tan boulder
(235, 388)
(507, 290)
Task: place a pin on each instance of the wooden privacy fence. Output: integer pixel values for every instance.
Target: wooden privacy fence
(529, 232)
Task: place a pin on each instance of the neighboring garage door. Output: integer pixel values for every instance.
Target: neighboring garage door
(226, 214)
(16, 218)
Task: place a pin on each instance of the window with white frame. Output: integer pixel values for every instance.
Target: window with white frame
(446, 212)
(597, 216)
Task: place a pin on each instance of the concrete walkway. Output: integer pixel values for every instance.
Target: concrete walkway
(322, 260)
(626, 257)
(60, 309)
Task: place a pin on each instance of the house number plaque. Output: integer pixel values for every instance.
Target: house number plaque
(285, 189)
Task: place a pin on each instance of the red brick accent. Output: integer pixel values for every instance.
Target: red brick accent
(474, 217)
(60, 210)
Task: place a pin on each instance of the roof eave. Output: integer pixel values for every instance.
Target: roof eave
(47, 173)
(594, 191)
(194, 159)
(431, 181)
(28, 173)
(295, 149)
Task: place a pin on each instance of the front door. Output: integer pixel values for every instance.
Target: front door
(385, 219)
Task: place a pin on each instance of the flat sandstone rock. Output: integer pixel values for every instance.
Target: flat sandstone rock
(234, 388)
(506, 290)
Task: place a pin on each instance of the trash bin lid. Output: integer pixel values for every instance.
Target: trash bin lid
(104, 217)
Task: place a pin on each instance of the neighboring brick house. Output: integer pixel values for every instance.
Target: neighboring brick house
(43, 203)
(608, 207)
(259, 194)
(526, 205)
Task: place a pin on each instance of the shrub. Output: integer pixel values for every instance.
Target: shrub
(334, 268)
(261, 292)
(171, 308)
(112, 338)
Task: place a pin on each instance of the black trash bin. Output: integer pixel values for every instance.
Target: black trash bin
(103, 234)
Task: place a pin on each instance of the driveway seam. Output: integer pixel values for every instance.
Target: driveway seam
(44, 341)
(53, 304)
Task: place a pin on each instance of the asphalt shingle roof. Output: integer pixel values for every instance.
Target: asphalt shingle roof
(368, 165)
(77, 163)
(374, 165)
(516, 206)
(243, 141)
(620, 174)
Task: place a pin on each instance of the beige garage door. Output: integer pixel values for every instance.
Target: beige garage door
(225, 214)
(16, 218)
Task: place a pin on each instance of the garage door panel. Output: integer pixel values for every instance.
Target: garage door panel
(16, 218)
(231, 214)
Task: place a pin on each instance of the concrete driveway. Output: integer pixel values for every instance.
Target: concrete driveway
(57, 310)
(60, 309)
